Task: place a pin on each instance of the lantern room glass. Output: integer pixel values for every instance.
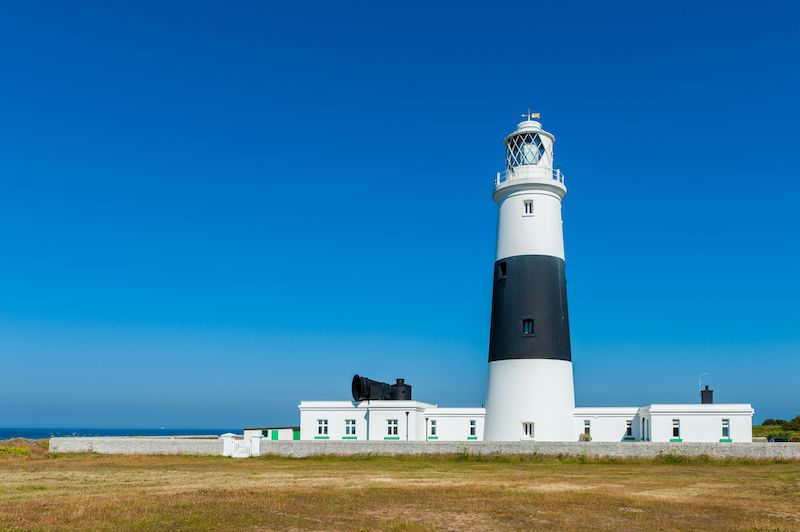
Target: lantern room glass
(524, 149)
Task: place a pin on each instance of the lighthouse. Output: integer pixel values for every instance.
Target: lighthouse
(530, 393)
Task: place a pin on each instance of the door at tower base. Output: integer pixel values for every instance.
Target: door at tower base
(530, 399)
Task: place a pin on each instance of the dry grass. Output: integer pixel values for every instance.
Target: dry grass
(40, 491)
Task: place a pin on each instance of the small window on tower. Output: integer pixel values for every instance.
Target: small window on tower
(528, 207)
(527, 429)
(527, 327)
(502, 268)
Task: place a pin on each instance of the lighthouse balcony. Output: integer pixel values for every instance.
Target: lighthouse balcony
(530, 174)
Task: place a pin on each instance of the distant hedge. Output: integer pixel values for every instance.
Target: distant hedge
(793, 424)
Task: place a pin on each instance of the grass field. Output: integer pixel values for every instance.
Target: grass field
(766, 430)
(41, 491)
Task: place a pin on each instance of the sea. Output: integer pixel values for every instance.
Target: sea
(42, 433)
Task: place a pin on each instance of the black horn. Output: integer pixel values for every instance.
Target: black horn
(365, 389)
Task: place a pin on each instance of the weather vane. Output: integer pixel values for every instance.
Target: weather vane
(529, 115)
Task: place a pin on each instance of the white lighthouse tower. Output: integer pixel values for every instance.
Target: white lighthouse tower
(530, 391)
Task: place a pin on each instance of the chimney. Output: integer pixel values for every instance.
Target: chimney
(706, 396)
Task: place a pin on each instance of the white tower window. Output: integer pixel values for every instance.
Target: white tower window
(527, 429)
(528, 207)
(524, 149)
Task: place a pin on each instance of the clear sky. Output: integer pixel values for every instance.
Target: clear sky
(210, 211)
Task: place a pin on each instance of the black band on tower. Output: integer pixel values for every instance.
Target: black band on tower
(529, 309)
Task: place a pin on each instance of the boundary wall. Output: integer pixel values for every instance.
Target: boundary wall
(299, 449)
(136, 445)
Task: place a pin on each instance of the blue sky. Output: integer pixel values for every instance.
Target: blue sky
(210, 211)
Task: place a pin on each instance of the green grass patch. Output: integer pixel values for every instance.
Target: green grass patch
(768, 431)
(14, 451)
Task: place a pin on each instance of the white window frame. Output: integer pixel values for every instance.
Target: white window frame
(676, 427)
(528, 429)
(391, 427)
(322, 427)
(473, 427)
(629, 428)
(587, 427)
(726, 428)
(433, 427)
(527, 207)
(349, 427)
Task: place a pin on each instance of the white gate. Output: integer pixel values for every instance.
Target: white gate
(240, 448)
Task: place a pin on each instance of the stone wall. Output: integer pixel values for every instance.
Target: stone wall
(592, 449)
(136, 445)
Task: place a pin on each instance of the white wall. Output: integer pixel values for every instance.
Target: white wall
(538, 391)
(698, 423)
(538, 234)
(284, 433)
(453, 424)
(378, 420)
(607, 424)
(372, 420)
(701, 423)
(336, 412)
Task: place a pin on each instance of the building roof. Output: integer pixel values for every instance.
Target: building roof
(271, 428)
(696, 408)
(348, 405)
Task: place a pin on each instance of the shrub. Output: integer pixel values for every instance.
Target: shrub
(14, 451)
(779, 435)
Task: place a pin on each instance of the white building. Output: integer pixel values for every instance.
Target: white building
(419, 421)
(674, 423)
(530, 393)
(389, 421)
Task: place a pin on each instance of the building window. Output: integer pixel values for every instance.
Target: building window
(473, 427)
(527, 429)
(527, 327)
(676, 428)
(322, 427)
(629, 428)
(391, 427)
(528, 207)
(587, 427)
(726, 428)
(349, 427)
(502, 268)
(433, 427)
